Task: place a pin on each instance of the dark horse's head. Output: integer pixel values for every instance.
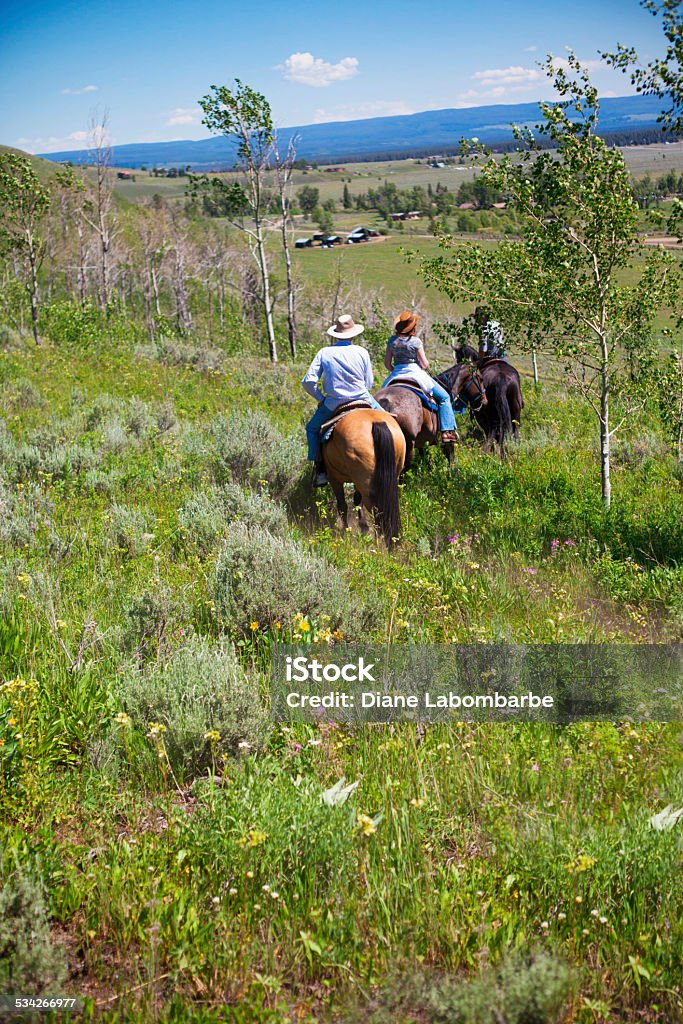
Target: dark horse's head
(465, 353)
(464, 384)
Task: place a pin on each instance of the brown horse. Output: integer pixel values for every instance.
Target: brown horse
(419, 424)
(501, 415)
(368, 450)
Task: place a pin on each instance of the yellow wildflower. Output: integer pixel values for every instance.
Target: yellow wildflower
(253, 626)
(366, 825)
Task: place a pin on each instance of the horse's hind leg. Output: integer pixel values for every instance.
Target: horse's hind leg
(338, 490)
(362, 518)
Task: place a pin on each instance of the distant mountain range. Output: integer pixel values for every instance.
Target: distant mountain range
(430, 132)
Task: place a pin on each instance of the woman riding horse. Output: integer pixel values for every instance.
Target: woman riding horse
(405, 357)
(418, 423)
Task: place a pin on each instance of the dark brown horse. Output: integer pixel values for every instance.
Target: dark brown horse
(419, 424)
(501, 416)
(368, 450)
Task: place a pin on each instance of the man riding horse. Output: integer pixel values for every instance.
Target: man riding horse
(361, 443)
(340, 373)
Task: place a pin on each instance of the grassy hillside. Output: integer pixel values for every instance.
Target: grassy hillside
(45, 169)
(170, 846)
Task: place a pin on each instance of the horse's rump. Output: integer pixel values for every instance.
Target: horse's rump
(368, 449)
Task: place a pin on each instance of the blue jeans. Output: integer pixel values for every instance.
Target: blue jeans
(414, 372)
(443, 400)
(321, 415)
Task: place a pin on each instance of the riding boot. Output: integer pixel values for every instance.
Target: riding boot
(319, 474)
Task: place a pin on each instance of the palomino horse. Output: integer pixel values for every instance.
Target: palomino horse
(502, 412)
(419, 424)
(368, 450)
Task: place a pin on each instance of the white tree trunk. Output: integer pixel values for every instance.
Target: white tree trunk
(267, 303)
(605, 438)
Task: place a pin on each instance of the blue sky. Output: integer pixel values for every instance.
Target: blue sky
(148, 63)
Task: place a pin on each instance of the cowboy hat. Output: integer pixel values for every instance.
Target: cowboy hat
(345, 328)
(406, 322)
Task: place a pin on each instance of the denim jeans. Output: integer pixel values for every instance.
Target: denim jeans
(321, 415)
(414, 372)
(443, 400)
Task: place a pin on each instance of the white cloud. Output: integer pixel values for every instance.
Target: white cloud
(357, 112)
(530, 49)
(184, 115)
(306, 69)
(507, 76)
(495, 84)
(54, 143)
(79, 92)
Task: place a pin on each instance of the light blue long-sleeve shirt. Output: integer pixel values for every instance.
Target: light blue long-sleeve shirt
(339, 373)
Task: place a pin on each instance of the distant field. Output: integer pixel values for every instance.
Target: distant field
(375, 266)
(641, 160)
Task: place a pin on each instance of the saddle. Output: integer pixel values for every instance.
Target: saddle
(340, 412)
(411, 385)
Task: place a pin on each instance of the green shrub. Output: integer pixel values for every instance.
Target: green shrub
(248, 449)
(101, 481)
(127, 530)
(22, 510)
(198, 691)
(114, 435)
(171, 352)
(205, 517)
(57, 460)
(289, 579)
(153, 618)
(29, 962)
(528, 987)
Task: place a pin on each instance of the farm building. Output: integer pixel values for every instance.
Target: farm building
(303, 243)
(125, 176)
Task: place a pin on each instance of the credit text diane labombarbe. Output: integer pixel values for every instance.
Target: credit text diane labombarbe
(396, 701)
(302, 669)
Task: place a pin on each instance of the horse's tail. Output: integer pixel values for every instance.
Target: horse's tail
(384, 483)
(503, 414)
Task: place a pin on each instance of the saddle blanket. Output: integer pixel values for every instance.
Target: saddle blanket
(425, 399)
(340, 412)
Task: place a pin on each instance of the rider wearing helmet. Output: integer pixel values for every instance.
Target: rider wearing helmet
(489, 333)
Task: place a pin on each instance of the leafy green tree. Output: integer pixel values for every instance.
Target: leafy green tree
(561, 286)
(662, 77)
(70, 196)
(347, 202)
(243, 114)
(308, 197)
(670, 392)
(324, 220)
(24, 203)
